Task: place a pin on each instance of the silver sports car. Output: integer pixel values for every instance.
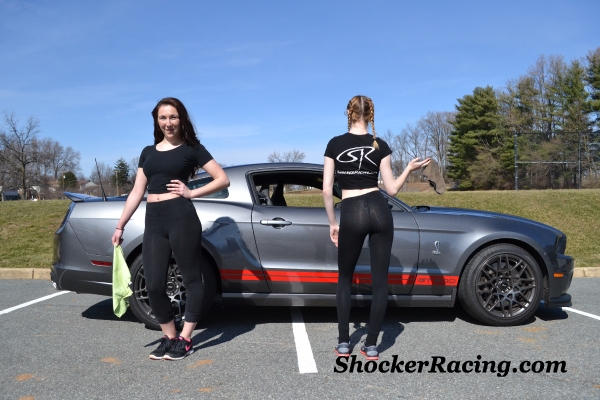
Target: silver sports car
(266, 242)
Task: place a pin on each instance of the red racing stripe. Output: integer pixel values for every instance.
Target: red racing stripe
(241, 275)
(331, 277)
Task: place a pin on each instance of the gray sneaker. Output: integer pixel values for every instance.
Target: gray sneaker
(370, 352)
(343, 349)
(432, 173)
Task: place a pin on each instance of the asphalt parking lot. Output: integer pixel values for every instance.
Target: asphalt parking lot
(72, 346)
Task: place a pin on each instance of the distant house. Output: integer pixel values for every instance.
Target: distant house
(88, 187)
(7, 195)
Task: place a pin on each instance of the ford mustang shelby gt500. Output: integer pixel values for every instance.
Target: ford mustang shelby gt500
(261, 245)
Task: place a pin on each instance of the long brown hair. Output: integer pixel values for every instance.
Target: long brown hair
(188, 133)
(362, 108)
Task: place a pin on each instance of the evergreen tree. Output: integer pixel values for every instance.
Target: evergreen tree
(120, 174)
(69, 180)
(592, 78)
(572, 99)
(518, 104)
(475, 128)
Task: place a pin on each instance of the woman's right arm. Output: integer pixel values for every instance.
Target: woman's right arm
(328, 177)
(133, 201)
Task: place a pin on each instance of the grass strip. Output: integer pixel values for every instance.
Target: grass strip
(27, 227)
(27, 232)
(574, 212)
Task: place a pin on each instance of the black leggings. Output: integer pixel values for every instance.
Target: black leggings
(364, 215)
(173, 226)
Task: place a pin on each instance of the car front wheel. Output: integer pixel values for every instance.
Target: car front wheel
(501, 285)
(140, 305)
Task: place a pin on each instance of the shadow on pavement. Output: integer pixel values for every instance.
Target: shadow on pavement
(221, 325)
(551, 314)
(103, 310)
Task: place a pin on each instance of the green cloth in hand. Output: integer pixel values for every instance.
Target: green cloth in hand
(120, 284)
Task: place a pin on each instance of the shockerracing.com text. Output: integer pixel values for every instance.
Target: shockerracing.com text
(439, 364)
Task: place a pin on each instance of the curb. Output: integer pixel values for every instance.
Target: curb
(44, 273)
(587, 272)
(25, 273)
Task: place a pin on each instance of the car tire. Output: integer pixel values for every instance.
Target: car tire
(139, 303)
(501, 286)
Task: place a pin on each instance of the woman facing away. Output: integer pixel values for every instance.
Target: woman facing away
(172, 224)
(357, 158)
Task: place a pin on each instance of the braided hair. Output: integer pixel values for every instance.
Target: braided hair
(362, 108)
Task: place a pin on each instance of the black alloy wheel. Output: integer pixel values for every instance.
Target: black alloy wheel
(501, 285)
(140, 304)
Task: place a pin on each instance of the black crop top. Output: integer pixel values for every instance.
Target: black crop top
(356, 160)
(160, 167)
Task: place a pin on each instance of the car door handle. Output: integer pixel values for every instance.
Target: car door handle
(275, 222)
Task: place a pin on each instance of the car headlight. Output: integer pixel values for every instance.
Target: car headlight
(561, 244)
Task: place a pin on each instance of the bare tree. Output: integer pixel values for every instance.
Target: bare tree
(6, 175)
(545, 76)
(437, 127)
(54, 159)
(104, 178)
(397, 157)
(19, 149)
(415, 143)
(133, 168)
(288, 156)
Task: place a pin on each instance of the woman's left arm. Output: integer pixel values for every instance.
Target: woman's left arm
(220, 181)
(392, 185)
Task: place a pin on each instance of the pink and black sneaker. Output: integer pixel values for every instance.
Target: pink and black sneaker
(180, 349)
(165, 345)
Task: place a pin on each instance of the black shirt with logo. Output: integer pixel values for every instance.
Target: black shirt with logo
(356, 160)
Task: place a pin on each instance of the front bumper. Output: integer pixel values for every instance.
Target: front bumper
(557, 295)
(562, 301)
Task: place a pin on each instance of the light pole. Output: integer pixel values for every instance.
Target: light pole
(63, 183)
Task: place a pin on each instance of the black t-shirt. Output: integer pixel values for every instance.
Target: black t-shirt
(160, 167)
(356, 160)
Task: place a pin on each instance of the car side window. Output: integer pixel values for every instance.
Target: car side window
(197, 183)
(291, 189)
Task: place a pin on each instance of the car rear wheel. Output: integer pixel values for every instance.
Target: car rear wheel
(501, 285)
(140, 305)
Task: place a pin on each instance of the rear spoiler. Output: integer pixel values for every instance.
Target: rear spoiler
(78, 197)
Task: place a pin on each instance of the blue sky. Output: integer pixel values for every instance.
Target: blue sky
(263, 76)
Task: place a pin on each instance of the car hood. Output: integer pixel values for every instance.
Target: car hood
(483, 214)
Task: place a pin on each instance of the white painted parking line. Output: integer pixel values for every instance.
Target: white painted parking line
(582, 313)
(306, 361)
(33, 302)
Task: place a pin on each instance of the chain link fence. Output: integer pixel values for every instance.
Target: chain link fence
(557, 160)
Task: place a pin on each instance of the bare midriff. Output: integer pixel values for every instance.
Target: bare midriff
(347, 193)
(153, 198)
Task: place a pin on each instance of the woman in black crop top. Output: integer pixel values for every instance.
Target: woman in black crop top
(172, 224)
(357, 158)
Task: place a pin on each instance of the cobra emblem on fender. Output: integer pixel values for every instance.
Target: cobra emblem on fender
(437, 248)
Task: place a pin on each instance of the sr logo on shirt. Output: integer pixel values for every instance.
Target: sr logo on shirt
(356, 154)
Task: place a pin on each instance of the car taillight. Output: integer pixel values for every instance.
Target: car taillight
(99, 263)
